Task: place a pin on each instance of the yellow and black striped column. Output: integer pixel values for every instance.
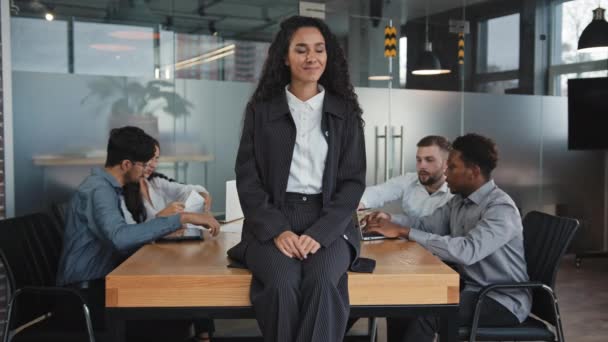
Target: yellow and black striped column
(461, 48)
(390, 41)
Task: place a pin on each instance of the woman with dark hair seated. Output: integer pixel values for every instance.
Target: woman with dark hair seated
(158, 195)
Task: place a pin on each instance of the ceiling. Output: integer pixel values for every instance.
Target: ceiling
(237, 19)
(417, 8)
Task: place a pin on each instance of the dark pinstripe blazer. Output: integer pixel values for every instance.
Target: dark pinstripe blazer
(262, 170)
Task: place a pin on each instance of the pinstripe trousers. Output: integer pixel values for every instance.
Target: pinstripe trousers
(295, 300)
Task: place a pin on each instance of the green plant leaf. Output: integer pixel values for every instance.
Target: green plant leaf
(176, 105)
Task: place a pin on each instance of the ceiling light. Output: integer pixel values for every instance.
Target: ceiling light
(206, 57)
(595, 35)
(112, 47)
(212, 29)
(428, 63)
(380, 78)
(134, 35)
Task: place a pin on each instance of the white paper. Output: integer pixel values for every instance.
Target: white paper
(195, 203)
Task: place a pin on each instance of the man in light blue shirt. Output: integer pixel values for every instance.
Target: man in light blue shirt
(97, 238)
(420, 193)
(479, 230)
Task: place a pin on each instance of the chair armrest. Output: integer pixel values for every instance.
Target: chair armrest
(523, 285)
(483, 293)
(46, 291)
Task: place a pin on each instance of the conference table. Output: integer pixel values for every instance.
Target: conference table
(188, 280)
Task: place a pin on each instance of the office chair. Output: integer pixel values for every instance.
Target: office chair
(546, 238)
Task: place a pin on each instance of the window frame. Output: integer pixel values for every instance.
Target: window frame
(555, 71)
(480, 77)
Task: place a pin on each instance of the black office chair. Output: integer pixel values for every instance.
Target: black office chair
(59, 211)
(546, 238)
(30, 248)
(4, 295)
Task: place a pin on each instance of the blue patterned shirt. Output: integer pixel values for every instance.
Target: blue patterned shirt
(97, 238)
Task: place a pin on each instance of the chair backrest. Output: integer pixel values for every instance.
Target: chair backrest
(59, 211)
(31, 245)
(546, 238)
(4, 295)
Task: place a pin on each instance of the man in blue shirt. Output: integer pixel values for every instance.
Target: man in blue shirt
(97, 238)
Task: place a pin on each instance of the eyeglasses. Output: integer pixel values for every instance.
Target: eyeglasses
(143, 165)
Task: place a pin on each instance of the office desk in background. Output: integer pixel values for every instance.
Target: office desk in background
(75, 160)
(190, 279)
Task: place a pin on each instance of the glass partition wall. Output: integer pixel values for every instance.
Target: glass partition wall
(183, 71)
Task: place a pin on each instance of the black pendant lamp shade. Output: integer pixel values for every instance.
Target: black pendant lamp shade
(595, 35)
(428, 63)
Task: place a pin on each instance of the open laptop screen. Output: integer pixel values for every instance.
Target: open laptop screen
(232, 210)
(365, 236)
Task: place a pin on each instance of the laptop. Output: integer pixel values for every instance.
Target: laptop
(366, 236)
(233, 209)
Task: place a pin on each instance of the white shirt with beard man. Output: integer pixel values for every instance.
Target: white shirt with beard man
(416, 202)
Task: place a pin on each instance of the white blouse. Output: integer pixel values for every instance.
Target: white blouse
(310, 151)
(162, 192)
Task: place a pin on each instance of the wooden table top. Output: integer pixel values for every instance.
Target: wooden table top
(188, 274)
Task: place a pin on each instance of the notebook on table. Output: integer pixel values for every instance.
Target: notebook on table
(194, 203)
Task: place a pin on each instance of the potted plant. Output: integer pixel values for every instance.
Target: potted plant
(135, 104)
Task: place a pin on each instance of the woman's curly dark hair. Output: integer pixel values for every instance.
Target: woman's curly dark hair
(276, 75)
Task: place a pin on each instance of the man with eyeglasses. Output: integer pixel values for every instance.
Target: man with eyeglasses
(97, 238)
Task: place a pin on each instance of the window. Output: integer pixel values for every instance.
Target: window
(402, 61)
(212, 58)
(499, 44)
(132, 51)
(572, 18)
(39, 45)
(569, 20)
(497, 87)
(110, 49)
(497, 68)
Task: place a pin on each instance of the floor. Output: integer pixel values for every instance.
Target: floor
(582, 295)
(583, 299)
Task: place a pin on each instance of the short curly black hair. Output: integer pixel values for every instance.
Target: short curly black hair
(477, 150)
